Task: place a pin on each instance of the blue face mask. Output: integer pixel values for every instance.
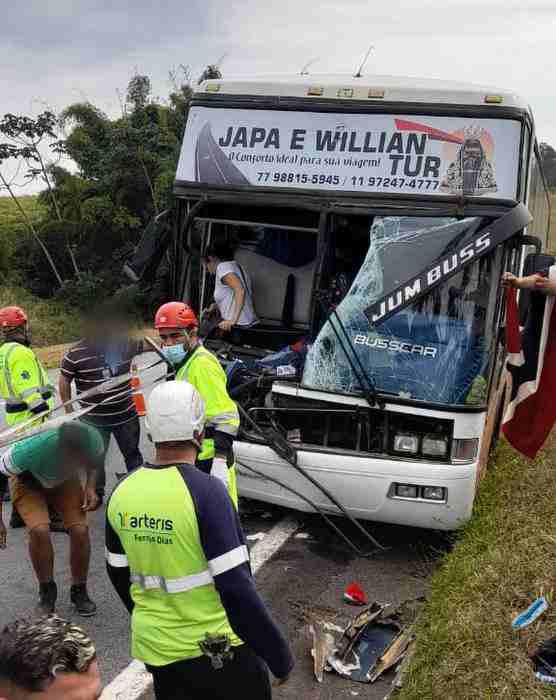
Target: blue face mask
(175, 354)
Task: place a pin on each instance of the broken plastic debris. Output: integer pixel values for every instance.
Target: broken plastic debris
(256, 537)
(534, 611)
(355, 595)
(372, 644)
(368, 647)
(323, 646)
(393, 654)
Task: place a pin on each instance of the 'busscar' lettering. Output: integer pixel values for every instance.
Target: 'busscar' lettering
(378, 342)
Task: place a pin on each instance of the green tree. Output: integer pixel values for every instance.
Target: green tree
(138, 91)
(25, 139)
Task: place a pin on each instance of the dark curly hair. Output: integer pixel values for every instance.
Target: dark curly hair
(32, 653)
(219, 249)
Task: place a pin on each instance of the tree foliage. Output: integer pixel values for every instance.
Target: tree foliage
(122, 175)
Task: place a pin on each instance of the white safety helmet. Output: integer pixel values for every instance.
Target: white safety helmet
(175, 413)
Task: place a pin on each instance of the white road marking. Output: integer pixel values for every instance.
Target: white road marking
(134, 681)
(275, 539)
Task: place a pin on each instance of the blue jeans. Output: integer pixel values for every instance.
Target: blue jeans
(127, 438)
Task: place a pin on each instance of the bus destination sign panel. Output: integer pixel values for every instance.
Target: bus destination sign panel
(365, 153)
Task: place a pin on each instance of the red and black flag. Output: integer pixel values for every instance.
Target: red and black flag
(531, 412)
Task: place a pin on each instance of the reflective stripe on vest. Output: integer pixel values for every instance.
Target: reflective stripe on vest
(217, 566)
(118, 561)
(7, 375)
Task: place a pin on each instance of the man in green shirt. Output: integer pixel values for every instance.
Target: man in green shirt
(49, 469)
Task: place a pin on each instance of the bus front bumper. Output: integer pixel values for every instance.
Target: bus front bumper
(365, 486)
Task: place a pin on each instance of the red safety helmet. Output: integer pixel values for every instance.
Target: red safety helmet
(175, 314)
(12, 317)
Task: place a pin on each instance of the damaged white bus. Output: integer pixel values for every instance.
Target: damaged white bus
(375, 217)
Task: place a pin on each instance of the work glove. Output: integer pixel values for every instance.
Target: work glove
(220, 470)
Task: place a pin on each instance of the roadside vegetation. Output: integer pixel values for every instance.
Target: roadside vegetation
(503, 560)
(102, 180)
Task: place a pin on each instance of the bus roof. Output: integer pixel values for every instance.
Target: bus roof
(371, 88)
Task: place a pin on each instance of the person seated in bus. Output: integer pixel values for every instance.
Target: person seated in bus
(233, 289)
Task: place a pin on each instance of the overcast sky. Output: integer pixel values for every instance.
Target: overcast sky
(55, 52)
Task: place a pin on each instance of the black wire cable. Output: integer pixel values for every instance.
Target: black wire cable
(289, 454)
(319, 510)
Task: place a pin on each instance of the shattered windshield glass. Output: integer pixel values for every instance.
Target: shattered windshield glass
(438, 349)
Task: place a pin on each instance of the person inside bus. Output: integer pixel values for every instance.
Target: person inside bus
(233, 289)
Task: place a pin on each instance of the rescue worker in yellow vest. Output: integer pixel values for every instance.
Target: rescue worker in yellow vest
(24, 383)
(177, 326)
(177, 557)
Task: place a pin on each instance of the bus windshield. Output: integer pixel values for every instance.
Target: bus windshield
(438, 349)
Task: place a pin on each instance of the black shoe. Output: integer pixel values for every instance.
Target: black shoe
(83, 604)
(100, 495)
(48, 593)
(16, 520)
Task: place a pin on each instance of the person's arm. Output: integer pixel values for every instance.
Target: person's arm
(3, 531)
(233, 281)
(209, 382)
(228, 561)
(538, 282)
(117, 566)
(67, 375)
(529, 282)
(91, 501)
(545, 285)
(7, 468)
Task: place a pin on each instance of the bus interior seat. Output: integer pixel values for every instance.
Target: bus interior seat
(282, 296)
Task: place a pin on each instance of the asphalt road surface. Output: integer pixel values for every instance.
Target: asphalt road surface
(303, 580)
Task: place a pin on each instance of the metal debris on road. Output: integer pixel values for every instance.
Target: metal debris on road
(323, 647)
(370, 645)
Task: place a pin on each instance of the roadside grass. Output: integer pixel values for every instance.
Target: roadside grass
(50, 322)
(503, 560)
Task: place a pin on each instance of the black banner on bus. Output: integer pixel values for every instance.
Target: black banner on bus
(449, 265)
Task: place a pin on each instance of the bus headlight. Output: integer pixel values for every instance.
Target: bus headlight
(406, 443)
(434, 493)
(434, 446)
(406, 491)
